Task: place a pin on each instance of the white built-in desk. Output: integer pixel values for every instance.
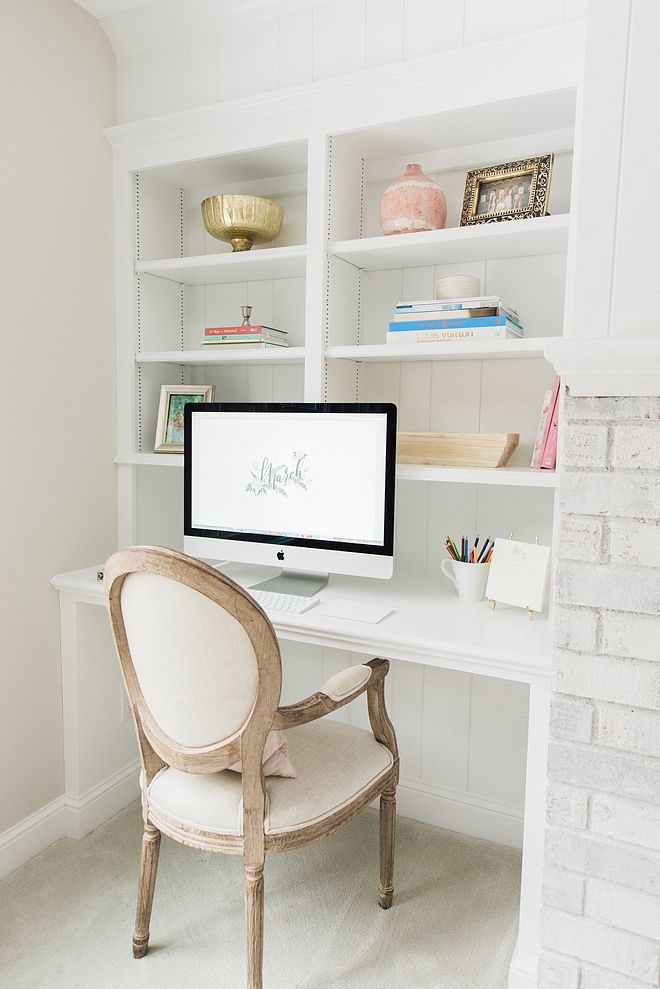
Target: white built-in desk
(427, 626)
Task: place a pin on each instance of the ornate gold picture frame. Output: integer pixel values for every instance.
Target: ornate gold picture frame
(515, 190)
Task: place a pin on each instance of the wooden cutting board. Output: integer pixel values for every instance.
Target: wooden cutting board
(456, 449)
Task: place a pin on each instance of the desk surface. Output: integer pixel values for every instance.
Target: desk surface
(428, 625)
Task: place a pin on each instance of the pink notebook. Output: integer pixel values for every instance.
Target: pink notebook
(549, 456)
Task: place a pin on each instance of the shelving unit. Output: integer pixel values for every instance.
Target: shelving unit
(327, 152)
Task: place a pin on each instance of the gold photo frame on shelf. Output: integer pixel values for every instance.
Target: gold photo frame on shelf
(169, 426)
(515, 190)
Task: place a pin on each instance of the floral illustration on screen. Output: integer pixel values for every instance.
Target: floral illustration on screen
(268, 476)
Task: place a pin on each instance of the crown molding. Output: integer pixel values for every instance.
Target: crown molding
(607, 367)
(545, 61)
(232, 9)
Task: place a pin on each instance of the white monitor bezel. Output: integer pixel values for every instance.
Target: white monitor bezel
(360, 560)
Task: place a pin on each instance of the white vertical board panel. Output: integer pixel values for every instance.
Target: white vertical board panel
(384, 31)
(288, 383)
(160, 506)
(637, 241)
(575, 10)
(296, 64)
(159, 218)
(485, 20)
(195, 238)
(129, 89)
(160, 314)
(380, 383)
(430, 26)
(260, 383)
(534, 287)
(527, 512)
(193, 316)
(345, 193)
(380, 292)
(410, 533)
(302, 670)
(453, 511)
(289, 308)
(415, 396)
(223, 304)
(512, 398)
(596, 171)
(445, 728)
(231, 383)
(202, 71)
(260, 295)
(417, 283)
(342, 301)
(317, 272)
(165, 80)
(498, 738)
(339, 37)
(407, 686)
(248, 59)
(294, 221)
(455, 395)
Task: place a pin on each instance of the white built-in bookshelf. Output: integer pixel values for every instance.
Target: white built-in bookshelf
(327, 152)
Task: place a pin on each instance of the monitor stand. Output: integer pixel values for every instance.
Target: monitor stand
(304, 583)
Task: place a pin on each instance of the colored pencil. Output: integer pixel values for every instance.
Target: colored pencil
(484, 551)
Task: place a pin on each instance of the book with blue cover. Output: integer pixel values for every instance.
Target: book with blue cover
(453, 323)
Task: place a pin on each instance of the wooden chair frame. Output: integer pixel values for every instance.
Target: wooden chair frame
(158, 751)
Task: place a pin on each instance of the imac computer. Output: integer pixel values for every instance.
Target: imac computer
(308, 487)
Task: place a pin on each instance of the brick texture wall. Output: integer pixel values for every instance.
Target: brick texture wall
(600, 926)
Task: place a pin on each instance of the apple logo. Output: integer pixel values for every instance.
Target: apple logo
(280, 554)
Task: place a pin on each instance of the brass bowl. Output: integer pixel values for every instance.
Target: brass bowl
(242, 220)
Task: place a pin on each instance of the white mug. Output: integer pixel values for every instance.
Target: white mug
(469, 579)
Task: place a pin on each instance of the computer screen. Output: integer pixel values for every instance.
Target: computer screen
(303, 486)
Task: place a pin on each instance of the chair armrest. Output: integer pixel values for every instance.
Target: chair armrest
(340, 689)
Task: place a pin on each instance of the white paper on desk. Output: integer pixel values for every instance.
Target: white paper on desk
(353, 611)
(518, 574)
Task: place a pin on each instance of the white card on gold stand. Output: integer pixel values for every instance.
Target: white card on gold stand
(518, 574)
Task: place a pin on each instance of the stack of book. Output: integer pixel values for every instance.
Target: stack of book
(250, 337)
(545, 446)
(483, 317)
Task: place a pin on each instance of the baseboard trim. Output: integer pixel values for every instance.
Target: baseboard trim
(85, 813)
(32, 835)
(523, 971)
(457, 811)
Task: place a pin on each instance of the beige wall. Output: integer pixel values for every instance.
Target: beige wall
(57, 496)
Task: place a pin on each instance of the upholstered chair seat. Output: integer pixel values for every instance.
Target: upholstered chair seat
(334, 763)
(201, 666)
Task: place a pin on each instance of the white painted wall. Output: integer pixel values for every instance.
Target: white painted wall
(57, 496)
(178, 54)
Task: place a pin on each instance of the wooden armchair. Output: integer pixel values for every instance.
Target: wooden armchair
(201, 665)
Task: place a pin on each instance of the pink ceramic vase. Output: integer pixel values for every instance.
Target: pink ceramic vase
(412, 203)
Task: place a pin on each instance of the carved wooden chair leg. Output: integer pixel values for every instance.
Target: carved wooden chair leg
(387, 834)
(146, 885)
(254, 924)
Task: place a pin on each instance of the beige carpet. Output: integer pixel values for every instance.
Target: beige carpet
(66, 917)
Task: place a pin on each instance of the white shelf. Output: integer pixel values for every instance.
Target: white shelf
(484, 242)
(463, 351)
(523, 477)
(224, 355)
(240, 266)
(150, 459)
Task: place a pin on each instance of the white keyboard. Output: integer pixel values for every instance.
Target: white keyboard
(291, 604)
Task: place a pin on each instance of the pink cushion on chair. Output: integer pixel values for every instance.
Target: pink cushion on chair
(275, 760)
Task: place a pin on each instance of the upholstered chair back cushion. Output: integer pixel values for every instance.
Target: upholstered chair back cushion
(194, 662)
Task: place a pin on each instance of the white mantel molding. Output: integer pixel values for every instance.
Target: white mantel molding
(607, 367)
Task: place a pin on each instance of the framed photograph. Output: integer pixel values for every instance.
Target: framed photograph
(169, 428)
(515, 190)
